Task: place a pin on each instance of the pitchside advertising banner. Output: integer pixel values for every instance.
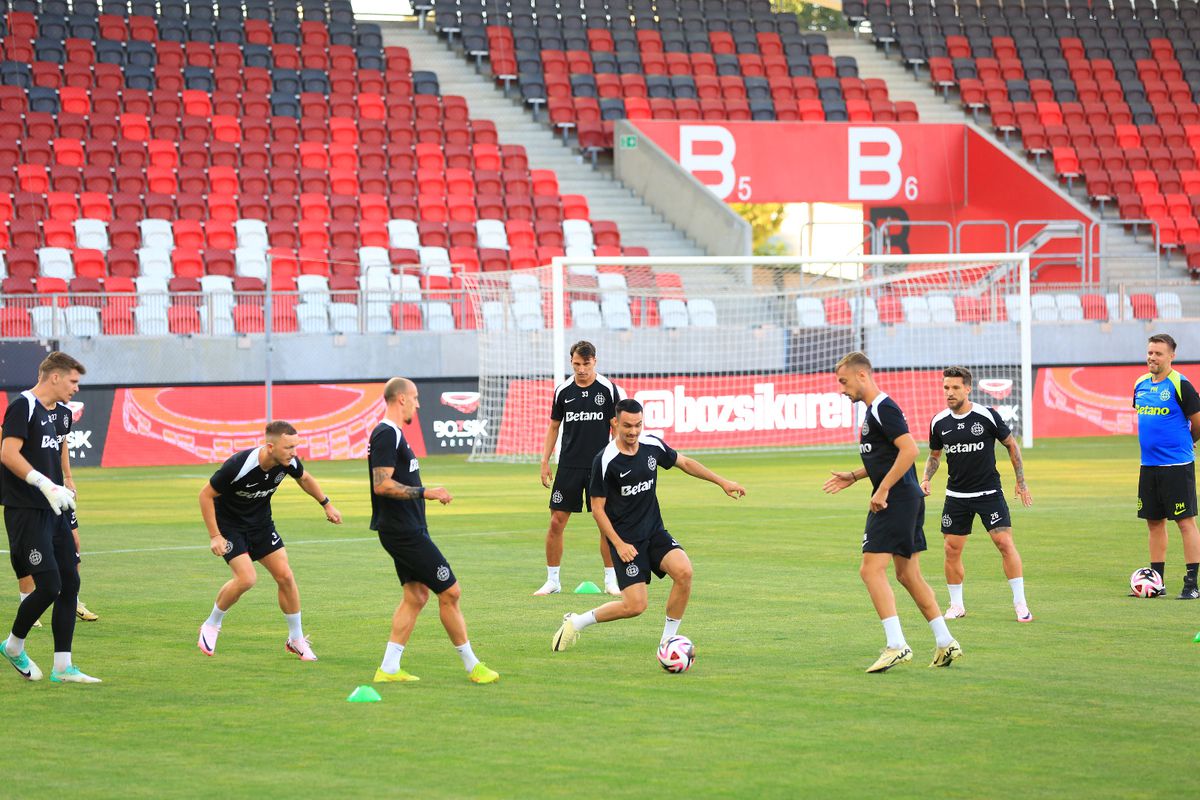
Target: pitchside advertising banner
(165, 425)
(1089, 401)
(746, 411)
(755, 162)
(205, 424)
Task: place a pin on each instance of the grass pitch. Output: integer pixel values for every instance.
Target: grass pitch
(1095, 699)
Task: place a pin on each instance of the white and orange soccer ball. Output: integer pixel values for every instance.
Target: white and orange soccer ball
(1145, 582)
(676, 654)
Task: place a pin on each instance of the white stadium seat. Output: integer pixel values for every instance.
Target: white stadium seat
(615, 311)
(1044, 308)
(82, 320)
(577, 233)
(810, 312)
(252, 234)
(313, 289)
(1118, 308)
(152, 293)
(1069, 307)
(251, 262)
(55, 262)
(369, 257)
(408, 288)
(941, 309)
(583, 269)
(343, 317)
(402, 234)
(218, 294)
(434, 255)
(1169, 305)
(527, 314)
(702, 313)
(219, 323)
(91, 234)
(151, 320)
(379, 317)
(864, 310)
(490, 234)
(585, 314)
(439, 316)
(494, 315)
(156, 262)
(672, 313)
(313, 317)
(916, 309)
(157, 233)
(48, 321)
(580, 251)
(525, 286)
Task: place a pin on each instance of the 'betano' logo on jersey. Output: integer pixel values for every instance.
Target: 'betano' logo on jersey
(762, 411)
(637, 488)
(965, 447)
(1153, 411)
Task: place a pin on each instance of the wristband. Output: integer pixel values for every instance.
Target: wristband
(324, 502)
(422, 490)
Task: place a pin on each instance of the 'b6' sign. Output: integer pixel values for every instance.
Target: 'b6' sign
(765, 162)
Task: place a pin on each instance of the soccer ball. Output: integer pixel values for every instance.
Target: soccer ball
(676, 654)
(1145, 582)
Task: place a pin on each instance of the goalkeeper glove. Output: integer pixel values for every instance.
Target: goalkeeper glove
(60, 498)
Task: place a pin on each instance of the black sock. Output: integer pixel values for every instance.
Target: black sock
(1159, 567)
(1190, 578)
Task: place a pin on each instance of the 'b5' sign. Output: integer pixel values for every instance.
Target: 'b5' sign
(792, 162)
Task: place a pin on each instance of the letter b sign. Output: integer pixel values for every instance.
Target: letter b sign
(862, 165)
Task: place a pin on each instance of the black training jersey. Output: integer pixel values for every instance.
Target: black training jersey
(969, 442)
(389, 448)
(44, 432)
(585, 413)
(627, 484)
(883, 424)
(244, 489)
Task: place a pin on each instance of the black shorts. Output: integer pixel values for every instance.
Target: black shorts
(899, 529)
(418, 559)
(39, 541)
(570, 490)
(958, 513)
(255, 542)
(1167, 492)
(650, 554)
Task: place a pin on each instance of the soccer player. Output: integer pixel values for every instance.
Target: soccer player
(583, 408)
(35, 498)
(897, 511)
(1168, 412)
(236, 507)
(625, 506)
(967, 434)
(398, 516)
(62, 419)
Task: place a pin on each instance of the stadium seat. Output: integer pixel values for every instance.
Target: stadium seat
(672, 313)
(810, 312)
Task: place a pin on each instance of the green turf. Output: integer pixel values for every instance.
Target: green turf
(1094, 699)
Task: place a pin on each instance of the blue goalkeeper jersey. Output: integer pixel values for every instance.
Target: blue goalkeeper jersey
(1163, 409)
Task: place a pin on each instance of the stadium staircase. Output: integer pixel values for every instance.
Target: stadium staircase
(607, 198)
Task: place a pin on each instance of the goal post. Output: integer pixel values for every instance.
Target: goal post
(736, 354)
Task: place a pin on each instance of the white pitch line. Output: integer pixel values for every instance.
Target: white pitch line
(286, 544)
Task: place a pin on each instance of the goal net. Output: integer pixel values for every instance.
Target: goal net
(736, 354)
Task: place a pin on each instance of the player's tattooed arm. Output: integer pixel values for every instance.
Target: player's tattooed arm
(932, 464)
(1014, 455)
(382, 483)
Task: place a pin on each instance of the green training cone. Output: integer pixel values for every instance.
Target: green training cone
(587, 587)
(364, 694)
(1197, 638)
